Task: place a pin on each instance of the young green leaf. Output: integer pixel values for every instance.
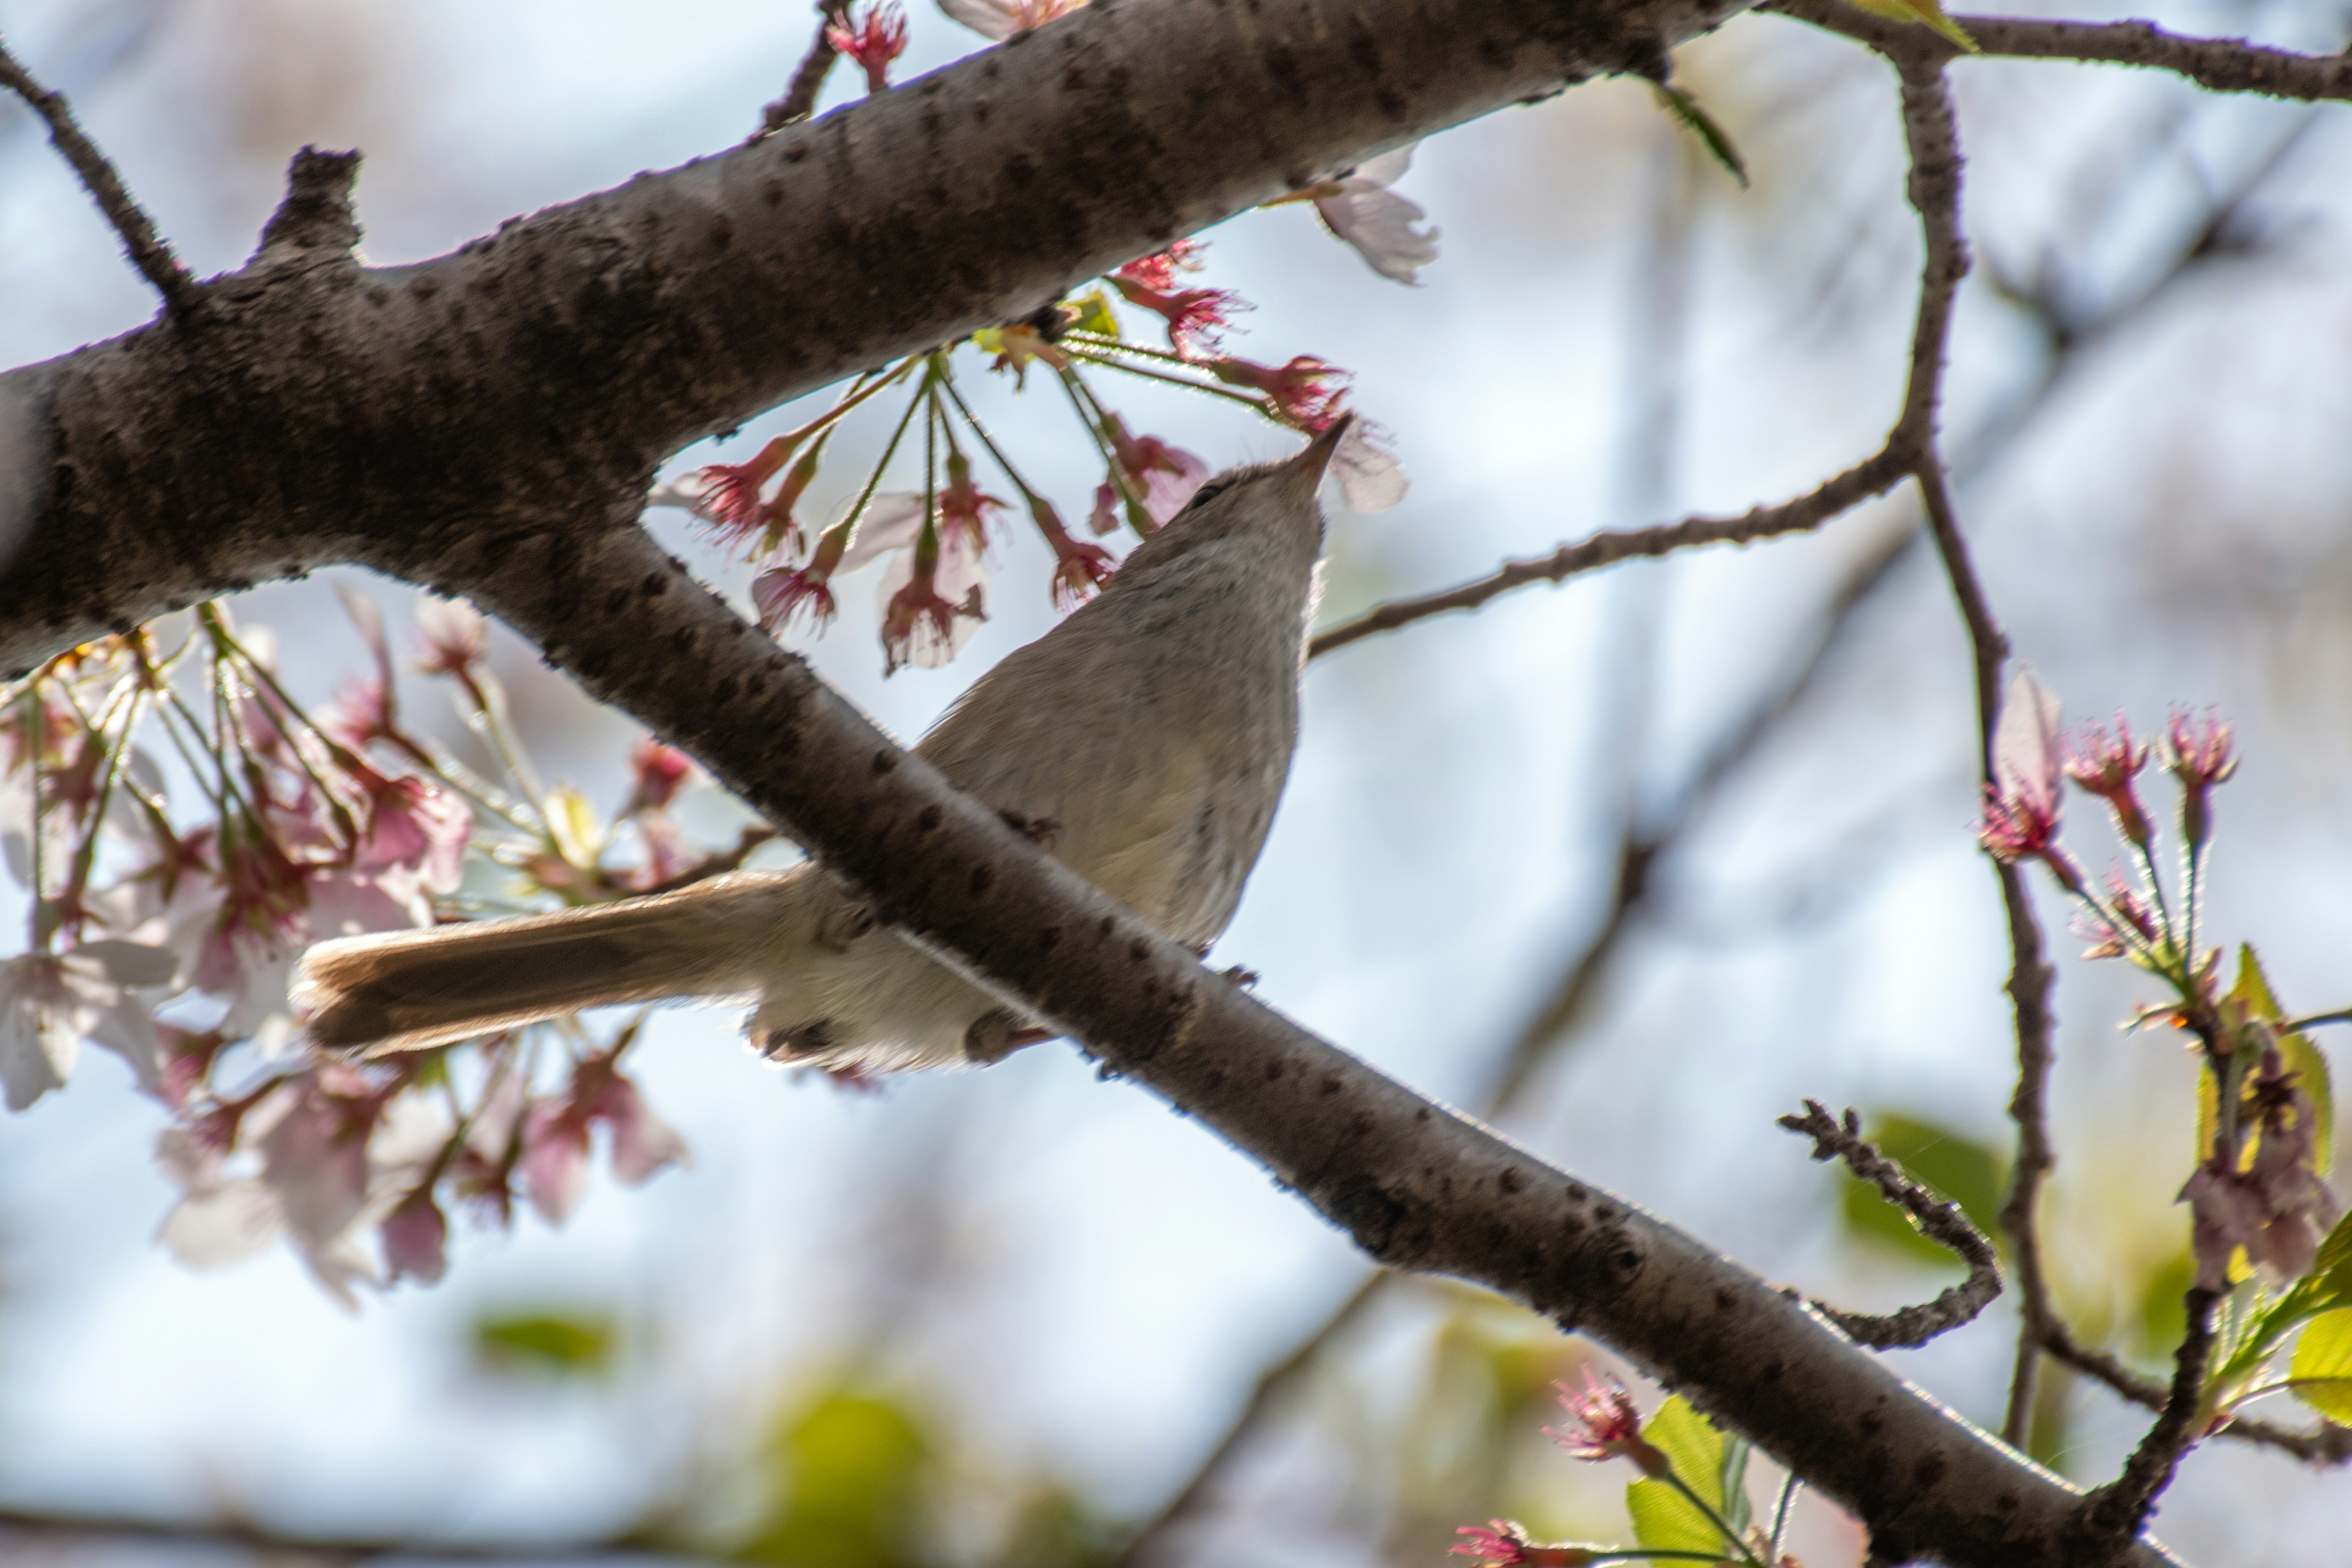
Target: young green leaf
(1692, 1445)
(1664, 1518)
(2322, 1367)
(1701, 124)
(1927, 13)
(2297, 1052)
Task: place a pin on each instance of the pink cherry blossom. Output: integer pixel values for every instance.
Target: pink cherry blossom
(415, 1240)
(1605, 1426)
(656, 773)
(2020, 806)
(933, 600)
(873, 38)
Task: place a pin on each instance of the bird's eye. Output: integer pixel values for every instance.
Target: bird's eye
(1208, 492)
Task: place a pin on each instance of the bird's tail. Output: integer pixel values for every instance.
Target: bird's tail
(410, 990)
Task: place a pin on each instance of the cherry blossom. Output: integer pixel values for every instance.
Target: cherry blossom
(997, 20)
(874, 38)
(454, 635)
(933, 600)
(1606, 1426)
(554, 1161)
(2104, 765)
(1369, 476)
(2020, 805)
(1379, 225)
(1307, 392)
(1166, 475)
(657, 772)
(1195, 318)
(51, 1002)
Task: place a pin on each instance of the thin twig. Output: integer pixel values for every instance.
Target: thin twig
(1873, 476)
(808, 78)
(2324, 1444)
(2116, 1512)
(717, 863)
(1939, 1220)
(2224, 65)
(149, 253)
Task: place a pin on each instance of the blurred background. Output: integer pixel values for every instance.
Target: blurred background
(1632, 864)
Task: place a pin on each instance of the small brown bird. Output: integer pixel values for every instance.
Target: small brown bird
(1146, 740)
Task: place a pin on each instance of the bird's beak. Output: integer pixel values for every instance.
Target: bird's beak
(1317, 455)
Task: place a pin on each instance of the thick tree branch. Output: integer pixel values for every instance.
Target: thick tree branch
(510, 387)
(1416, 1186)
(2224, 65)
(148, 252)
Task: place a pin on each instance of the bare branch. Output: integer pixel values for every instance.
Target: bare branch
(1939, 1220)
(808, 78)
(148, 253)
(2117, 1512)
(1873, 476)
(2324, 1444)
(2224, 65)
(713, 865)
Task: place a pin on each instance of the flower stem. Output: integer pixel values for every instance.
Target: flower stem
(1244, 398)
(1003, 462)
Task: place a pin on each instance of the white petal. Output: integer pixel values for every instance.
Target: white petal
(2028, 744)
(1387, 169)
(1369, 476)
(128, 1029)
(1381, 226)
(685, 494)
(959, 571)
(992, 22)
(27, 1072)
(225, 1226)
(891, 521)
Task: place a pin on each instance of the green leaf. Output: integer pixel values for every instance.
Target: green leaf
(1665, 1519)
(1927, 13)
(2298, 1053)
(2322, 1367)
(1701, 124)
(571, 1346)
(1970, 1173)
(1094, 313)
(845, 1488)
(1691, 1445)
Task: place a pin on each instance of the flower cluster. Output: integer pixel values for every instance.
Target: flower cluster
(169, 940)
(939, 539)
(1692, 1499)
(938, 536)
(2256, 1198)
